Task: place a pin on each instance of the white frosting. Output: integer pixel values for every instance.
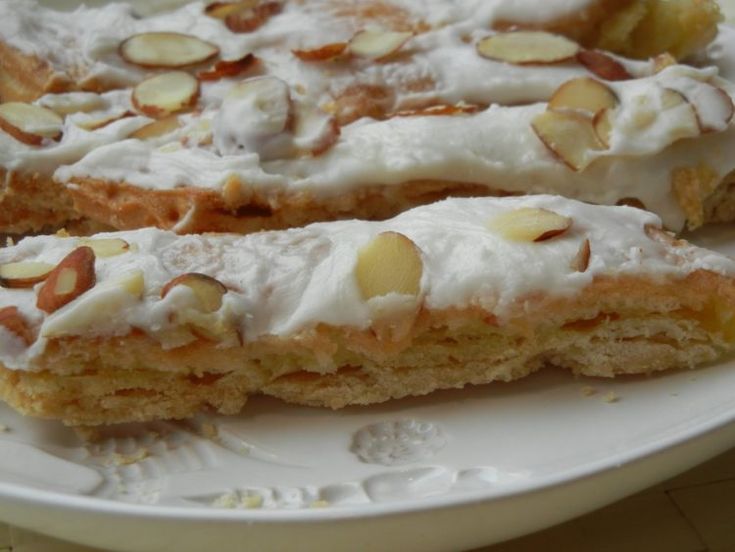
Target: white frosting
(287, 281)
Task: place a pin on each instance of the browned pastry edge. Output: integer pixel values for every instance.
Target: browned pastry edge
(195, 210)
(616, 326)
(24, 77)
(30, 202)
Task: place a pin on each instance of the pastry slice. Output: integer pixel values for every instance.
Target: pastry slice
(662, 142)
(147, 324)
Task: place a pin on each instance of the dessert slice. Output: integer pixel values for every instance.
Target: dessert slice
(662, 142)
(147, 324)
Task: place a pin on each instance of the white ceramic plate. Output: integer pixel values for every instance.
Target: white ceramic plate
(450, 471)
(479, 466)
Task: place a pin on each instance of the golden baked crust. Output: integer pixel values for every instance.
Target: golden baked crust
(186, 210)
(194, 210)
(31, 202)
(638, 28)
(24, 78)
(616, 326)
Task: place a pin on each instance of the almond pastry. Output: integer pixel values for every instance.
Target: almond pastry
(354, 312)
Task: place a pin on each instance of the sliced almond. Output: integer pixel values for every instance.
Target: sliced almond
(106, 247)
(225, 69)
(662, 61)
(390, 263)
(265, 103)
(157, 128)
(530, 224)
(24, 274)
(220, 10)
(30, 123)
(569, 135)
(439, 110)
(16, 324)
(377, 45)
(527, 47)
(602, 122)
(314, 130)
(89, 313)
(73, 102)
(166, 50)
(100, 122)
(322, 53)
(582, 259)
(164, 94)
(208, 291)
(712, 105)
(631, 202)
(583, 94)
(247, 19)
(688, 124)
(68, 280)
(603, 65)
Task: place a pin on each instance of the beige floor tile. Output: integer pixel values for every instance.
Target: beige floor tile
(719, 468)
(26, 541)
(711, 510)
(4, 536)
(645, 523)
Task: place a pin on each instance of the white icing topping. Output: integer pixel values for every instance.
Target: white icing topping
(284, 282)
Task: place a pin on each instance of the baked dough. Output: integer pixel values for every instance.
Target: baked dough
(355, 312)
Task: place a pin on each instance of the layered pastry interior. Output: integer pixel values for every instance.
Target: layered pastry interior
(240, 116)
(147, 324)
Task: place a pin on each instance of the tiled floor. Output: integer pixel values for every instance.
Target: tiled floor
(693, 512)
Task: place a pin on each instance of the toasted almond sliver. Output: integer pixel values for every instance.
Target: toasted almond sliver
(157, 128)
(166, 50)
(390, 263)
(29, 123)
(322, 53)
(377, 45)
(527, 47)
(228, 68)
(164, 94)
(583, 94)
(569, 135)
(603, 65)
(24, 274)
(529, 224)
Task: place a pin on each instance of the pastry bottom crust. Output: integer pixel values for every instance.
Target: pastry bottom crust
(616, 326)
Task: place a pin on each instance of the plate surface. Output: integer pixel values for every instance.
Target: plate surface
(452, 470)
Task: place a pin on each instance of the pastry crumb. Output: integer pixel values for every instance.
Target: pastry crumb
(319, 504)
(118, 459)
(588, 391)
(611, 397)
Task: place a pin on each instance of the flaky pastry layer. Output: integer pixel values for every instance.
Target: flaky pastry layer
(615, 327)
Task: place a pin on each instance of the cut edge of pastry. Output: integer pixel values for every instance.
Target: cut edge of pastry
(616, 326)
